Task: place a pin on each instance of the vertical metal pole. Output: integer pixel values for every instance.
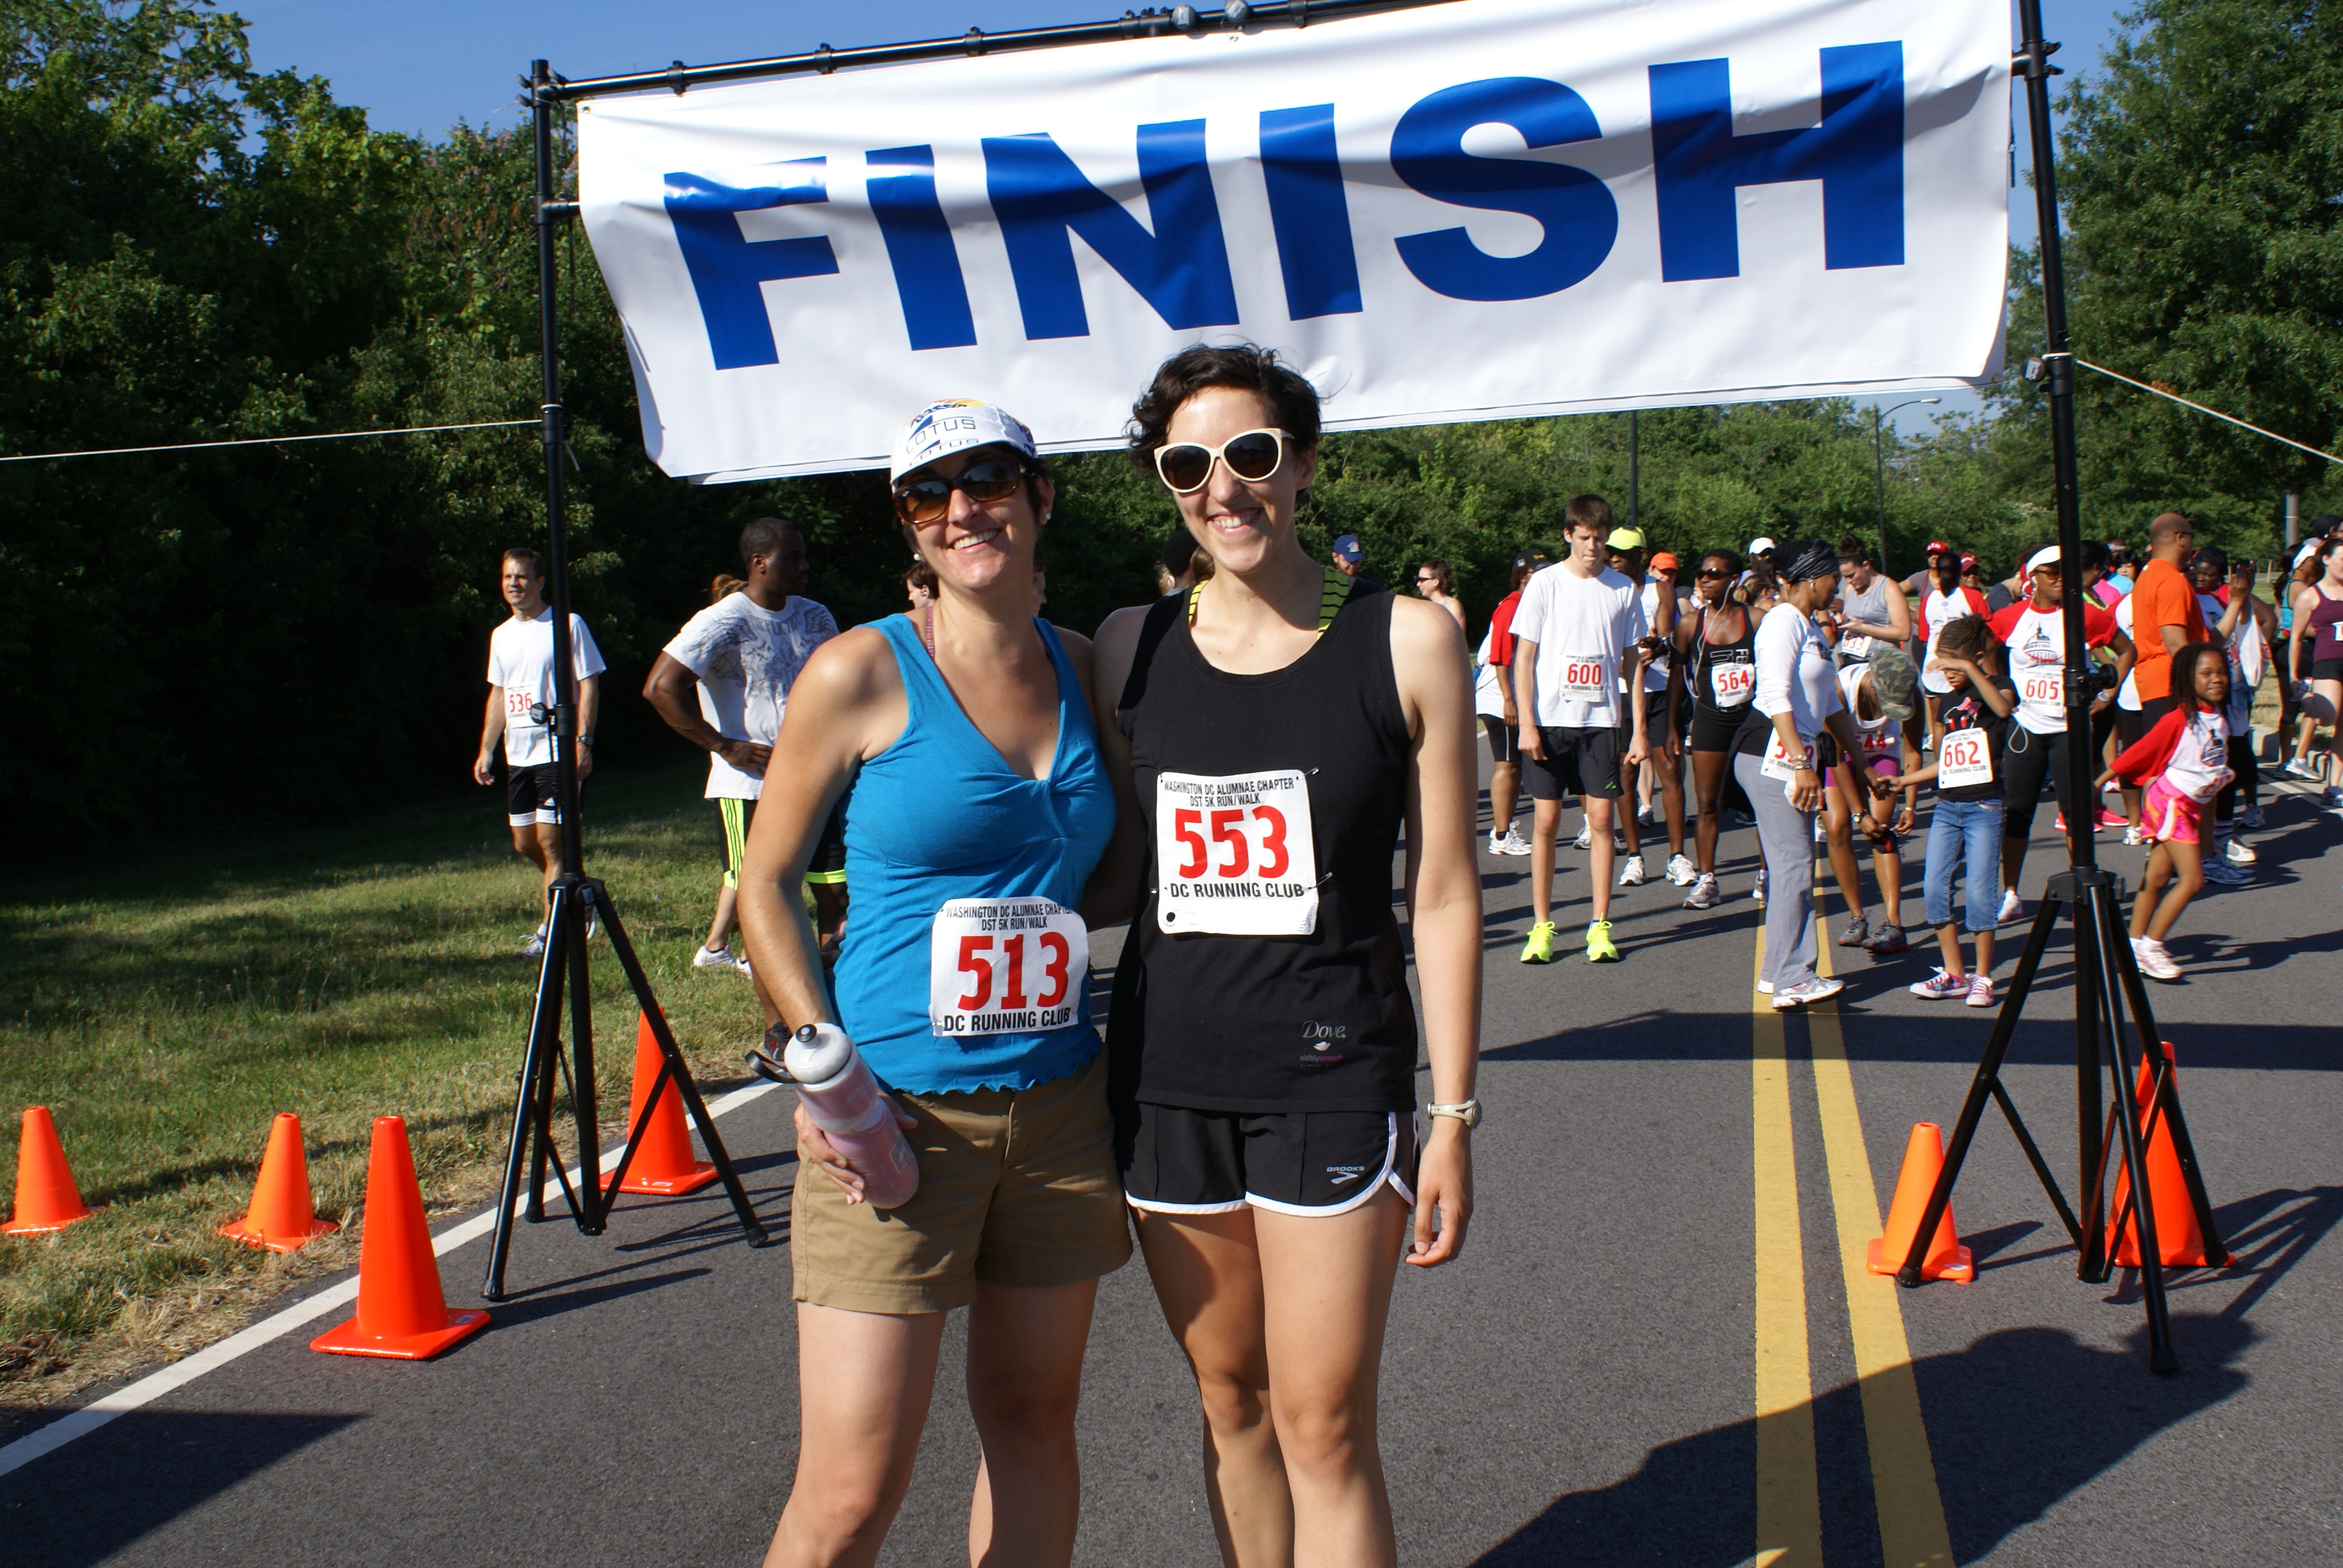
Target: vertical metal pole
(1879, 485)
(2293, 530)
(2033, 63)
(556, 431)
(1635, 468)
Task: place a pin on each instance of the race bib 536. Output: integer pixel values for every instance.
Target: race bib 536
(1002, 966)
(1234, 855)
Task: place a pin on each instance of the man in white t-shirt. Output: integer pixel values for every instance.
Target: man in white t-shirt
(521, 712)
(743, 653)
(1578, 633)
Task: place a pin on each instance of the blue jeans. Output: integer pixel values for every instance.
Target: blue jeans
(1969, 830)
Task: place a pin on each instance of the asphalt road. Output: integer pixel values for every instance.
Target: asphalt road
(1670, 1183)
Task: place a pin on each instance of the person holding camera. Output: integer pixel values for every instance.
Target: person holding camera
(520, 713)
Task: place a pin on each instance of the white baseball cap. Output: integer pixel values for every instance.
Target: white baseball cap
(1759, 546)
(2309, 548)
(955, 425)
(2043, 558)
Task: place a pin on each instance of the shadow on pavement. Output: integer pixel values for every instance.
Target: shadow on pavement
(92, 1501)
(530, 1308)
(2016, 1421)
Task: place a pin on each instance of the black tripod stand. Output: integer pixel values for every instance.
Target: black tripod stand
(574, 899)
(2108, 984)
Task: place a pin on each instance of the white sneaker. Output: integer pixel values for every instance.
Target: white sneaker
(2134, 839)
(1681, 870)
(741, 963)
(2012, 907)
(2228, 876)
(2251, 817)
(1819, 832)
(1513, 843)
(1585, 840)
(708, 957)
(1631, 872)
(535, 946)
(1646, 817)
(2302, 767)
(2238, 853)
(1704, 894)
(2154, 961)
(1757, 890)
(1816, 989)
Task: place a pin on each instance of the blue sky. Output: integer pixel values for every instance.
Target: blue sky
(424, 65)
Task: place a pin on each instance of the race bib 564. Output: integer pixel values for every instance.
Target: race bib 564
(1234, 855)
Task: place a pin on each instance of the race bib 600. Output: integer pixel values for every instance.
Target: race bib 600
(1003, 966)
(1234, 855)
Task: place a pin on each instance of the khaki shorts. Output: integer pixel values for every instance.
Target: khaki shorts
(1016, 1188)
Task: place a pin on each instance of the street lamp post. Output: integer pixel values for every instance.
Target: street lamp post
(1879, 469)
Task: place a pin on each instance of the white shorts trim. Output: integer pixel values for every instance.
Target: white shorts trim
(1389, 1175)
(534, 817)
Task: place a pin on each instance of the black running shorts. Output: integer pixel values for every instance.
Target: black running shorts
(1505, 739)
(1714, 730)
(1181, 1162)
(534, 794)
(1576, 762)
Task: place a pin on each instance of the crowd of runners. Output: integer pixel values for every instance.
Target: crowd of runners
(967, 790)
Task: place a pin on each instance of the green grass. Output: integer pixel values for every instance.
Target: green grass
(166, 1014)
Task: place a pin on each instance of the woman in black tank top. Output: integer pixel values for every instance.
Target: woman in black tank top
(1721, 671)
(1273, 731)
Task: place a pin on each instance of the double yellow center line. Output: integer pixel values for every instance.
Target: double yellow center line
(1912, 1532)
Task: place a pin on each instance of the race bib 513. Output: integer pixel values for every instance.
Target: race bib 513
(1234, 855)
(1003, 966)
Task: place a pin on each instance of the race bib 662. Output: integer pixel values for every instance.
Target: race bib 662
(1004, 966)
(1234, 855)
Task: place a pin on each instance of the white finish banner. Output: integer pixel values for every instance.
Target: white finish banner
(1477, 210)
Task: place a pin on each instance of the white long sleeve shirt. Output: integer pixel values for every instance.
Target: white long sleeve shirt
(1795, 672)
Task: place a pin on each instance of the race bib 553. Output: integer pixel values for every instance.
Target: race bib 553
(1234, 855)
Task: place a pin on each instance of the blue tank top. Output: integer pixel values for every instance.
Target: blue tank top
(940, 816)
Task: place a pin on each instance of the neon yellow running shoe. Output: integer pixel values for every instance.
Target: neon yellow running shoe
(1539, 949)
(1599, 948)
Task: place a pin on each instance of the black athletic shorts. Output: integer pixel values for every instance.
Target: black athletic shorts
(828, 862)
(533, 794)
(1655, 723)
(1714, 730)
(1175, 1160)
(1576, 762)
(2326, 670)
(2130, 725)
(1505, 739)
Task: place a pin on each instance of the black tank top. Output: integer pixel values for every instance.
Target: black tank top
(1261, 1024)
(1707, 655)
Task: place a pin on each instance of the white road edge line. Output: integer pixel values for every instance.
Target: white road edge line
(154, 1385)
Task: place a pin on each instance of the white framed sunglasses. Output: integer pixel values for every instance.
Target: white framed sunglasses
(1252, 455)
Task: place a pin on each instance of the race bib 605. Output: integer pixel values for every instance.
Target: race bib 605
(1002, 966)
(1234, 855)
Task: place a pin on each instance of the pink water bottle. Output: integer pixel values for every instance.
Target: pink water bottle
(837, 1091)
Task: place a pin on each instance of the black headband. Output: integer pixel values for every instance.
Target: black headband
(1810, 558)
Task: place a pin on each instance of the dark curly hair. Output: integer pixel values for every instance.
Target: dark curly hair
(1292, 402)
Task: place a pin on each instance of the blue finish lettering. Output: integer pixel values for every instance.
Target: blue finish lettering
(1309, 213)
(1857, 153)
(726, 270)
(1580, 218)
(1041, 198)
(919, 248)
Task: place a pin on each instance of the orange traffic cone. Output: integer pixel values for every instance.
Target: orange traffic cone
(1924, 1158)
(663, 1162)
(2178, 1234)
(401, 1312)
(281, 1218)
(46, 1198)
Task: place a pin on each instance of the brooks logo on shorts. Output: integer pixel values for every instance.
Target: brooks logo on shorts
(1341, 1173)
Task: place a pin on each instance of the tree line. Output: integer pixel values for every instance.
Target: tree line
(201, 251)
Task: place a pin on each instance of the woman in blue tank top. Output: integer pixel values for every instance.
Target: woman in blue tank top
(962, 738)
